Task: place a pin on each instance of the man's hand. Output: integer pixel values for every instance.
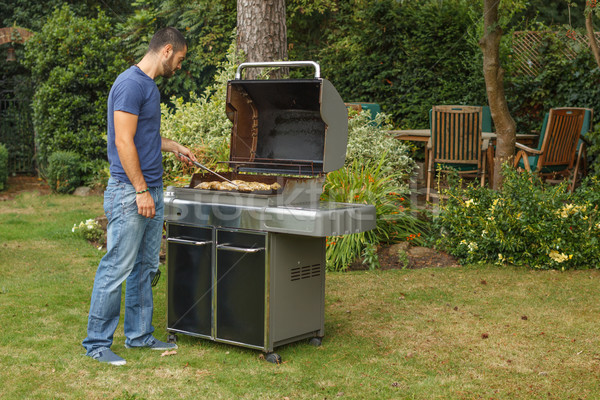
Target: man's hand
(145, 204)
(189, 156)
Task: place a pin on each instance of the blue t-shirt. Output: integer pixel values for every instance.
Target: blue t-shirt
(136, 93)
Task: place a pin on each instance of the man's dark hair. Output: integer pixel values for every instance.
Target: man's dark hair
(167, 36)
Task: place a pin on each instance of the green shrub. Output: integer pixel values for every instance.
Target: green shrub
(588, 191)
(526, 223)
(64, 171)
(369, 182)
(95, 173)
(73, 61)
(3, 166)
(593, 151)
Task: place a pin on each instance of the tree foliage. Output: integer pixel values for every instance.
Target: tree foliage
(32, 14)
(405, 55)
(552, 12)
(208, 26)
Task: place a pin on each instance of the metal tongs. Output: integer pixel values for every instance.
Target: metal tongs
(197, 164)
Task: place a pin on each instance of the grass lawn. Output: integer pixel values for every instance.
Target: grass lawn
(447, 333)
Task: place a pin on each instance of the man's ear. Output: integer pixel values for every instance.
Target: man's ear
(167, 50)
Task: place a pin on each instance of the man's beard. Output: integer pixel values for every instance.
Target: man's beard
(168, 71)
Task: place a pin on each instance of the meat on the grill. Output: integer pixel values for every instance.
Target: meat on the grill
(242, 186)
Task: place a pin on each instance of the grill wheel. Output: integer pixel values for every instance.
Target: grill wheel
(273, 358)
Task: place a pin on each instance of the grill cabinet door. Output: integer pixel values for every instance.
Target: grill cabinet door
(240, 304)
(189, 294)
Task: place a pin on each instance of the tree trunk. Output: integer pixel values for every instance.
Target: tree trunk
(589, 27)
(494, 82)
(261, 33)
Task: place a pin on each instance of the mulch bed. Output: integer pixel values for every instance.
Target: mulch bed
(22, 184)
(418, 257)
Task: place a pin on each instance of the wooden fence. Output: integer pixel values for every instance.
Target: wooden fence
(527, 44)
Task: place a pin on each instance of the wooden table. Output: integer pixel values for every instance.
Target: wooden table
(423, 135)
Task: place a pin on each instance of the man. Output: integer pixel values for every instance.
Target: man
(133, 202)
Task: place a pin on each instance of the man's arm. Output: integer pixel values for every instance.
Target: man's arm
(176, 148)
(125, 129)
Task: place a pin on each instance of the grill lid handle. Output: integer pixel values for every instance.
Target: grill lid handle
(238, 73)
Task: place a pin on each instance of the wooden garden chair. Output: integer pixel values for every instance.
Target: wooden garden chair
(557, 151)
(588, 126)
(456, 142)
(486, 118)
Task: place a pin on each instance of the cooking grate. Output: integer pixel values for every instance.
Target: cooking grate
(277, 166)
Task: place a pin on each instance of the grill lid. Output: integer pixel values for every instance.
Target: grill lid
(286, 126)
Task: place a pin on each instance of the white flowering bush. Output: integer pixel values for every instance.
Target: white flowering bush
(526, 223)
(90, 230)
(368, 140)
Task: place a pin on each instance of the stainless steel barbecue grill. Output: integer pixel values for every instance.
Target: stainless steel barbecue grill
(249, 268)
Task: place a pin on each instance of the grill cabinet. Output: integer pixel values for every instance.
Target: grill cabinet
(249, 268)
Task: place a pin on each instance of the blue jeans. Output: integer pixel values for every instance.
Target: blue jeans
(133, 247)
